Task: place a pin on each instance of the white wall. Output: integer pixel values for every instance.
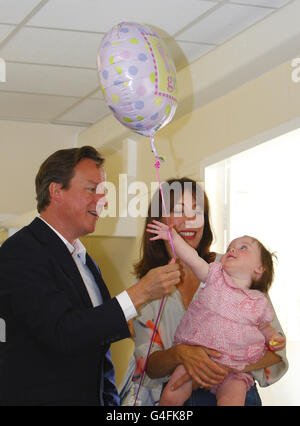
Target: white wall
(23, 147)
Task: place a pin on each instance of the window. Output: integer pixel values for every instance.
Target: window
(256, 193)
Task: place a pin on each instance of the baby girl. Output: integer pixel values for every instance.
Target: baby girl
(231, 314)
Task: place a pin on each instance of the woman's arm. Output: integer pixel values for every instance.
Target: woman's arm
(272, 366)
(185, 252)
(196, 360)
(273, 339)
(269, 359)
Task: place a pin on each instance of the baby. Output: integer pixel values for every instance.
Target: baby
(231, 314)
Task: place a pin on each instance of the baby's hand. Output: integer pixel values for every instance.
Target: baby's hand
(160, 229)
(277, 342)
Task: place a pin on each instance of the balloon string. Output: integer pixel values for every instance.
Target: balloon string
(157, 166)
(149, 349)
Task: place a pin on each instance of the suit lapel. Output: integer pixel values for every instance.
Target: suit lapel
(98, 277)
(62, 256)
(70, 268)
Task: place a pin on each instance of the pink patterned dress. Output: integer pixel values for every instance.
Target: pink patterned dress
(226, 318)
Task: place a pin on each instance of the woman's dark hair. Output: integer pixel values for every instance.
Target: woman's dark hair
(60, 168)
(154, 253)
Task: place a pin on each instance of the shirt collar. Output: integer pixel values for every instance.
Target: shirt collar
(77, 250)
(251, 293)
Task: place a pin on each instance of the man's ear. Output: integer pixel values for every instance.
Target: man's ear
(55, 191)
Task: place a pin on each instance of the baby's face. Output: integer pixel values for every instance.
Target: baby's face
(243, 259)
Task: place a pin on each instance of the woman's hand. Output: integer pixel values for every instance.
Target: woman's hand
(200, 368)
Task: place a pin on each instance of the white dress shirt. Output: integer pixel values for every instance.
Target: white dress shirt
(78, 252)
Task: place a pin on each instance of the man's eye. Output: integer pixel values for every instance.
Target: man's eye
(102, 192)
(92, 189)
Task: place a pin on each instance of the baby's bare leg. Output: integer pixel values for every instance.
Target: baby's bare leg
(232, 392)
(180, 395)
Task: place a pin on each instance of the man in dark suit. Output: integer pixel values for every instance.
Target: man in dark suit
(59, 316)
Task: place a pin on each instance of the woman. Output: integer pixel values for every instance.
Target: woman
(186, 207)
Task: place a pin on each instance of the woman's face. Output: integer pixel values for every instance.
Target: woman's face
(188, 220)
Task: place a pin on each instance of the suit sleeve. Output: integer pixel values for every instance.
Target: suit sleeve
(47, 312)
(110, 393)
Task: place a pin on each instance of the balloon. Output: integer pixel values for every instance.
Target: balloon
(137, 77)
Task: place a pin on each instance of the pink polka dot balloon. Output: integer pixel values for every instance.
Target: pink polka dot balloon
(137, 77)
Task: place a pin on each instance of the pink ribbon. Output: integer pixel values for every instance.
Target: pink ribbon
(157, 166)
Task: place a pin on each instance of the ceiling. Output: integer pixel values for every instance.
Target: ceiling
(50, 47)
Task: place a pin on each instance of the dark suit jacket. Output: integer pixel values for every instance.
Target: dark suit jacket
(57, 344)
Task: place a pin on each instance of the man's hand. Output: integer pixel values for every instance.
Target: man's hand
(158, 282)
(200, 368)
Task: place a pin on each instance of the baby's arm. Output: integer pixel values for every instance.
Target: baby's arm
(184, 251)
(274, 340)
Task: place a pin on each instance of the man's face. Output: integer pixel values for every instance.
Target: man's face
(79, 201)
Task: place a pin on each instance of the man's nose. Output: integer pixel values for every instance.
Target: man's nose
(103, 199)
